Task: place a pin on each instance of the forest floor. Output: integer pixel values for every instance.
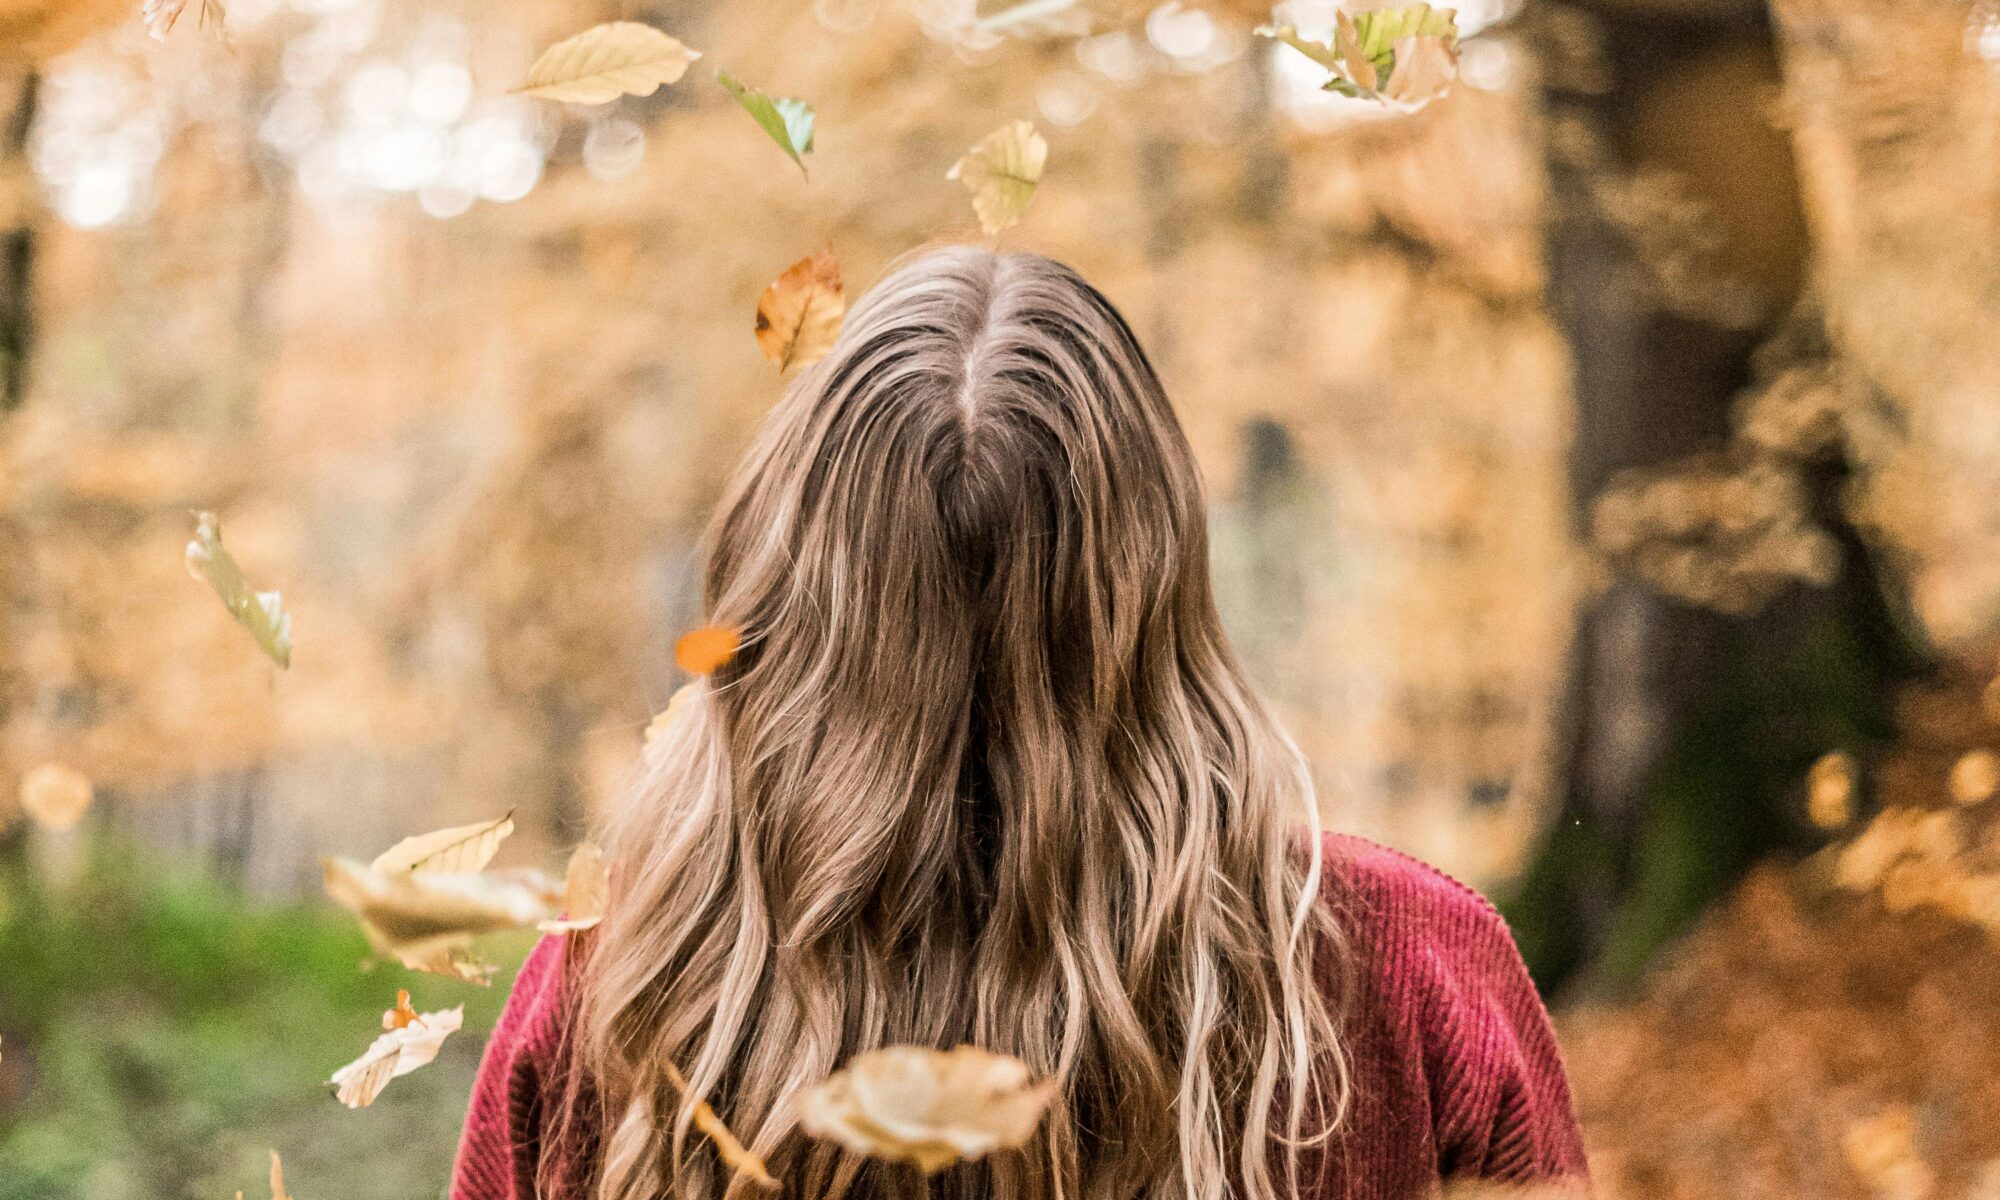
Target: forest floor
(1829, 1031)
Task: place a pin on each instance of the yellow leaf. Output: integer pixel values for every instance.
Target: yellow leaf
(929, 1107)
(409, 1043)
(619, 58)
(262, 613)
(56, 796)
(707, 650)
(426, 919)
(462, 850)
(586, 892)
(1002, 172)
(734, 1154)
(799, 315)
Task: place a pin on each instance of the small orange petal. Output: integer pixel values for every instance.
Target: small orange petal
(707, 649)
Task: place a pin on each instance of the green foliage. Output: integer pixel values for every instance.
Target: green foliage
(172, 1033)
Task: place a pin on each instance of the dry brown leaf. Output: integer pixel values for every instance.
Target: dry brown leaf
(427, 920)
(462, 850)
(262, 613)
(411, 1041)
(586, 892)
(929, 1107)
(799, 314)
(402, 1015)
(56, 796)
(1002, 173)
(734, 1154)
(708, 649)
(619, 58)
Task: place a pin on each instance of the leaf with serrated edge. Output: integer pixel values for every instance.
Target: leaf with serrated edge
(462, 850)
(586, 892)
(401, 1050)
(262, 613)
(1002, 172)
(604, 62)
(799, 314)
(787, 122)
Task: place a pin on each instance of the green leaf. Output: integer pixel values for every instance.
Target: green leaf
(1379, 30)
(788, 122)
(262, 613)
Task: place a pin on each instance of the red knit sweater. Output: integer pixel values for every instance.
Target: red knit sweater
(1455, 1069)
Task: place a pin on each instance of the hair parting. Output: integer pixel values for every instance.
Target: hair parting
(983, 769)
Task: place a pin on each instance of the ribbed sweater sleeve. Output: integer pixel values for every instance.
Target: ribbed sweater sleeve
(499, 1152)
(1446, 1026)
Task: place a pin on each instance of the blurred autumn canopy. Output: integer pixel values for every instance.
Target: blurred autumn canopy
(1599, 402)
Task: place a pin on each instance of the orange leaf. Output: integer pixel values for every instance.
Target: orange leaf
(799, 315)
(708, 649)
(400, 1016)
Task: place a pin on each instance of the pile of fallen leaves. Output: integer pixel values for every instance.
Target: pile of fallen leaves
(1828, 1032)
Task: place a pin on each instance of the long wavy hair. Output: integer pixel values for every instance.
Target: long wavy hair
(984, 770)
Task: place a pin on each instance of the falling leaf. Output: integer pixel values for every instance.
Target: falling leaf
(1002, 172)
(160, 16)
(262, 613)
(1425, 67)
(1975, 776)
(462, 850)
(734, 1154)
(799, 315)
(56, 796)
(426, 920)
(929, 1107)
(401, 1016)
(410, 1041)
(1402, 57)
(675, 704)
(1037, 18)
(620, 58)
(586, 892)
(708, 649)
(788, 122)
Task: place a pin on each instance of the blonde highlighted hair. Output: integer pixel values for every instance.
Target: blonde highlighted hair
(984, 770)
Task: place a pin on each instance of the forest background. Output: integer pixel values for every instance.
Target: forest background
(1604, 463)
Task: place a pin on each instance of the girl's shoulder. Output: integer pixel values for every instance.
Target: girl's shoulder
(1369, 881)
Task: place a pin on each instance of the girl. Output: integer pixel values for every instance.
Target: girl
(985, 770)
